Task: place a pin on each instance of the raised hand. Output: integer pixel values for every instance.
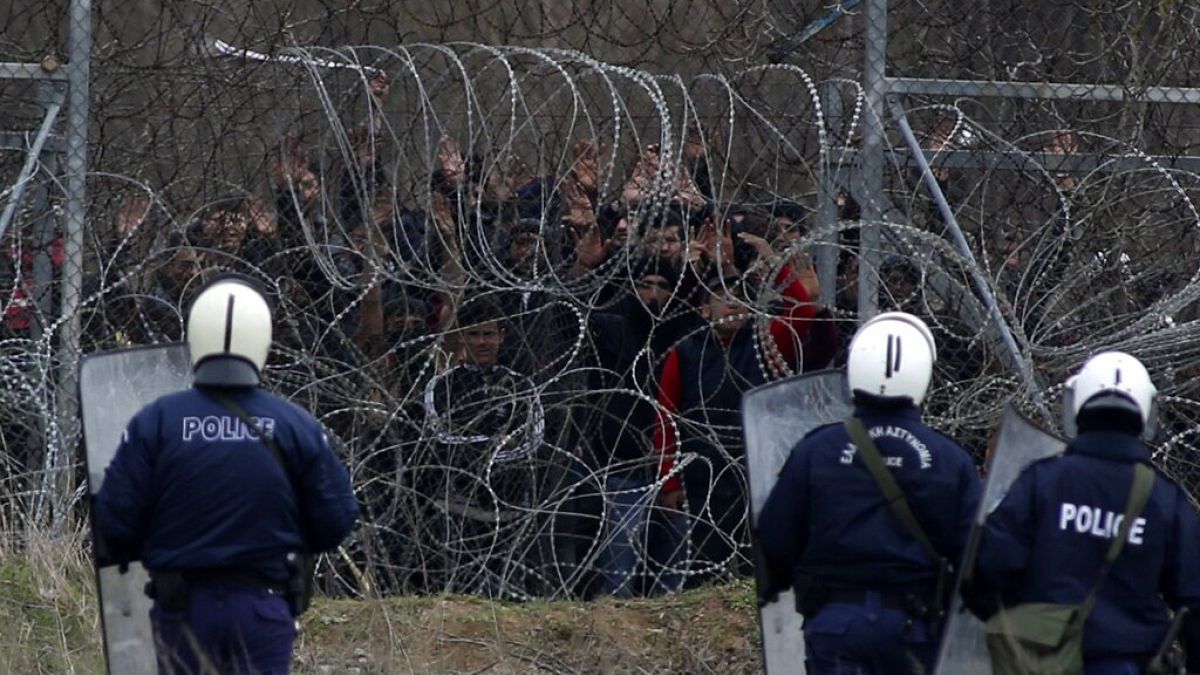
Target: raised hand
(644, 175)
(443, 218)
(383, 206)
(586, 169)
(693, 147)
(378, 86)
(765, 253)
(686, 190)
(802, 265)
(590, 249)
(291, 162)
(450, 161)
(504, 177)
(131, 214)
(703, 246)
(581, 214)
(262, 218)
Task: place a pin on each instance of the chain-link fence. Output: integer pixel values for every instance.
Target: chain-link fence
(486, 226)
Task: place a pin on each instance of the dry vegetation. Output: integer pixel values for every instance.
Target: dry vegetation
(50, 625)
(706, 631)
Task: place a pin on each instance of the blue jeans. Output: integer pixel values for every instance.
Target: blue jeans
(225, 630)
(867, 639)
(628, 501)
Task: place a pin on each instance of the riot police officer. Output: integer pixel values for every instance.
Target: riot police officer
(1046, 542)
(217, 489)
(869, 588)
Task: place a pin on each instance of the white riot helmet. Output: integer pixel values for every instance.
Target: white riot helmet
(892, 356)
(229, 333)
(1113, 381)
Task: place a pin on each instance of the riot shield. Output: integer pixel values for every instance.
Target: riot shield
(1018, 444)
(775, 417)
(113, 386)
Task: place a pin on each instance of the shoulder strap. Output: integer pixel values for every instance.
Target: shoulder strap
(1139, 493)
(269, 441)
(887, 484)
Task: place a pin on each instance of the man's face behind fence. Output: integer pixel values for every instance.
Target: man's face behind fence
(482, 343)
(654, 290)
(726, 312)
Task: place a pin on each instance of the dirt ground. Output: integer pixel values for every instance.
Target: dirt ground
(712, 630)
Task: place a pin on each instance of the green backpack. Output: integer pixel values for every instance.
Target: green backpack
(1047, 638)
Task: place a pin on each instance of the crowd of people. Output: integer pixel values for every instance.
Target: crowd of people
(535, 378)
(535, 359)
(510, 360)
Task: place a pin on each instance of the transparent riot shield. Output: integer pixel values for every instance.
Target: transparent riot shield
(113, 386)
(1018, 444)
(775, 417)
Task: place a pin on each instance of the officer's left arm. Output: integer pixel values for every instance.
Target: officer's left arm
(1181, 579)
(330, 507)
(1007, 539)
(121, 509)
(970, 490)
(782, 525)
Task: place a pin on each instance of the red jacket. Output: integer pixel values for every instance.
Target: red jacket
(786, 332)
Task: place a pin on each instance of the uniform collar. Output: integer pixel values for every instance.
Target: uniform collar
(1110, 445)
(908, 412)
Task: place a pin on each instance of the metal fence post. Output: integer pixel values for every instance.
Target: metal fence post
(827, 210)
(75, 215)
(875, 84)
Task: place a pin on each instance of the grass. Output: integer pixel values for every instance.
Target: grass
(48, 617)
(49, 624)
(703, 631)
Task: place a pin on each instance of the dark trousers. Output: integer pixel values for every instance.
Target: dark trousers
(718, 522)
(867, 639)
(1114, 666)
(225, 630)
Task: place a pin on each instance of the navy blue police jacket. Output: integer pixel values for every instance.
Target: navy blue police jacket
(1046, 541)
(191, 488)
(827, 519)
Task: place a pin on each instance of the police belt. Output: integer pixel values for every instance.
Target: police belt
(915, 602)
(233, 579)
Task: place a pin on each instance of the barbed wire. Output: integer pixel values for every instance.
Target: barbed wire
(586, 172)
